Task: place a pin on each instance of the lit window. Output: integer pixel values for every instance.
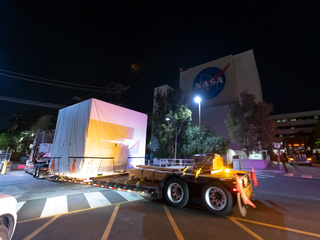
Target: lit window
(293, 120)
(315, 117)
(280, 135)
(292, 127)
(284, 120)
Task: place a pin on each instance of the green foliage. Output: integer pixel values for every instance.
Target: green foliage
(210, 142)
(4, 141)
(248, 123)
(19, 132)
(316, 133)
(169, 105)
(161, 152)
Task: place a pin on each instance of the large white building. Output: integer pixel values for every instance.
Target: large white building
(219, 83)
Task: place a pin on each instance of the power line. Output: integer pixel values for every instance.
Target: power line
(51, 84)
(50, 80)
(33, 103)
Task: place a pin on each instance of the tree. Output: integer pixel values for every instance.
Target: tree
(210, 142)
(248, 123)
(169, 105)
(4, 141)
(316, 133)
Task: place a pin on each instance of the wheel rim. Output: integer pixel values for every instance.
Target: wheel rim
(175, 192)
(216, 198)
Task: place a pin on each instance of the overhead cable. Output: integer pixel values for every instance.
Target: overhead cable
(33, 103)
(50, 80)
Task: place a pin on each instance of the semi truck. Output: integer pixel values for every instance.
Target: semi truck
(103, 145)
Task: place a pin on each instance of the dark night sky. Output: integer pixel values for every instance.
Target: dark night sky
(96, 43)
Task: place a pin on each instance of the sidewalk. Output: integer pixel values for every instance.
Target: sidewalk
(296, 171)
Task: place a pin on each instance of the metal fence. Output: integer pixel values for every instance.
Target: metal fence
(5, 156)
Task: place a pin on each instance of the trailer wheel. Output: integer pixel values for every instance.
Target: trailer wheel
(217, 199)
(176, 192)
(34, 171)
(38, 171)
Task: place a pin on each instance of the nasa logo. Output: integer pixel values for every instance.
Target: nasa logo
(210, 82)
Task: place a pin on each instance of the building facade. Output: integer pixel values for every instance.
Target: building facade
(295, 128)
(218, 83)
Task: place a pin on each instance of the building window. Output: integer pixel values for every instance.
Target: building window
(284, 120)
(293, 119)
(280, 135)
(292, 127)
(315, 117)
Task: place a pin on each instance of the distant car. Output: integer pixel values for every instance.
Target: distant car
(8, 216)
(299, 158)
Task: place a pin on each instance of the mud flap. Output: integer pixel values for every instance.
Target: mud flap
(242, 207)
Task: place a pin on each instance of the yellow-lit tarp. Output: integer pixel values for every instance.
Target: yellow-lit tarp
(89, 132)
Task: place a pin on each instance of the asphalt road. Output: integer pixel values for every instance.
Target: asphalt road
(286, 208)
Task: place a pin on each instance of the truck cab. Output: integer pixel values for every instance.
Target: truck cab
(38, 163)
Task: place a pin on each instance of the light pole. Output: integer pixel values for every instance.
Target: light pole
(198, 100)
(175, 142)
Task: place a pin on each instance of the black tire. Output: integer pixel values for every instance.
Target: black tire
(38, 171)
(34, 171)
(176, 192)
(4, 233)
(217, 199)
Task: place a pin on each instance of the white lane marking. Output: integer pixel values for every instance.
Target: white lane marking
(306, 176)
(19, 205)
(265, 175)
(96, 199)
(288, 174)
(54, 206)
(130, 196)
(260, 177)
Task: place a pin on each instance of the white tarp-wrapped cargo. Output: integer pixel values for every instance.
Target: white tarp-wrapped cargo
(97, 138)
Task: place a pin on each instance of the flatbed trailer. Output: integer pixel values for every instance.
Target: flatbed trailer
(219, 189)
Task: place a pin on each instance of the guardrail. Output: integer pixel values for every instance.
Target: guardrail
(167, 162)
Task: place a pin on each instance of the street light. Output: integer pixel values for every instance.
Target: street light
(175, 142)
(198, 100)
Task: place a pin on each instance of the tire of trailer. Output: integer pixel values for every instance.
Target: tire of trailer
(34, 171)
(217, 199)
(38, 171)
(176, 192)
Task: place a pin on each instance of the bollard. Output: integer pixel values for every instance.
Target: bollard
(4, 167)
